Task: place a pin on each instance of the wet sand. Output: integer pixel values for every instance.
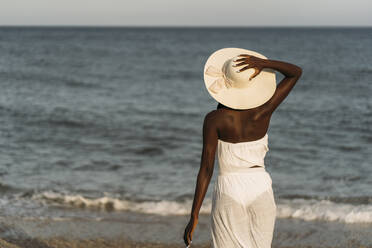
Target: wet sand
(92, 243)
(137, 230)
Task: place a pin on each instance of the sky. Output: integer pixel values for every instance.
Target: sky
(186, 12)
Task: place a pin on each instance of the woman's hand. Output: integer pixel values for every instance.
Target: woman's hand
(190, 230)
(250, 61)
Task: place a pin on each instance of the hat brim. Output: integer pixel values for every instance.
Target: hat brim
(260, 90)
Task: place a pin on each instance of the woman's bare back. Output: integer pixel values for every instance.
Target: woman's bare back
(241, 126)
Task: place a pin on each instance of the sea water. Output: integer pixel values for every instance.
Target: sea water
(100, 120)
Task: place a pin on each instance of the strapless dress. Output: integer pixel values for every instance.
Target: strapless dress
(243, 206)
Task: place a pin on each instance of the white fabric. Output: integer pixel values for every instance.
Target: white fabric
(243, 206)
(220, 83)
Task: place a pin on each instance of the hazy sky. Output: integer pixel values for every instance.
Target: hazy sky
(187, 12)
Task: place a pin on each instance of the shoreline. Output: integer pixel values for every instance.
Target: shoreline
(139, 230)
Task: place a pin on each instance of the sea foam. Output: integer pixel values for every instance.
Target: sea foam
(305, 209)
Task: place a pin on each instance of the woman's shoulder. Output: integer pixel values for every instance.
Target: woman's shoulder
(217, 117)
(216, 113)
(211, 115)
(231, 115)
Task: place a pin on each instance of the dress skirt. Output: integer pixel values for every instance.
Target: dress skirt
(243, 210)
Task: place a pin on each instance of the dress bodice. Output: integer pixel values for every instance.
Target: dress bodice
(237, 157)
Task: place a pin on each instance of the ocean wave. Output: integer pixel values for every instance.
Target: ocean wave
(305, 209)
(355, 200)
(164, 207)
(325, 210)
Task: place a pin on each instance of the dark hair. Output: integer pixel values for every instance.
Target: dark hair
(220, 105)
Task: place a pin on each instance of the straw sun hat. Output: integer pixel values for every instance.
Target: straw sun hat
(234, 89)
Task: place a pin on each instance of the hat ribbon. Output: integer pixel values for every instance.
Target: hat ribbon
(221, 82)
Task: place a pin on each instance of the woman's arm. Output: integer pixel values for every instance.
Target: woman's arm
(210, 139)
(291, 72)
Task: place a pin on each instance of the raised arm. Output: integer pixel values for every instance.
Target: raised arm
(291, 72)
(210, 139)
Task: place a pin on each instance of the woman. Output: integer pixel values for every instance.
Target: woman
(243, 207)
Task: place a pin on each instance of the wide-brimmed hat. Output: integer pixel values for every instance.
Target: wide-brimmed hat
(234, 89)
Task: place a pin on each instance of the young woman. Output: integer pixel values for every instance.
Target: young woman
(243, 206)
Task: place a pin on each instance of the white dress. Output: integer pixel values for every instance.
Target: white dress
(243, 206)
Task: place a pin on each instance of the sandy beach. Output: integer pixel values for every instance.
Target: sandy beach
(63, 243)
(129, 231)
(138, 230)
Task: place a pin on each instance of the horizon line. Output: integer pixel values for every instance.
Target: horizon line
(181, 26)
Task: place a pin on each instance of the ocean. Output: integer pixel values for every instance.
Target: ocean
(96, 123)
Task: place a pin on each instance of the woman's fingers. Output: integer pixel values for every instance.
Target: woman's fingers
(245, 61)
(240, 64)
(244, 55)
(241, 59)
(192, 232)
(187, 239)
(243, 69)
(256, 72)
(186, 235)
